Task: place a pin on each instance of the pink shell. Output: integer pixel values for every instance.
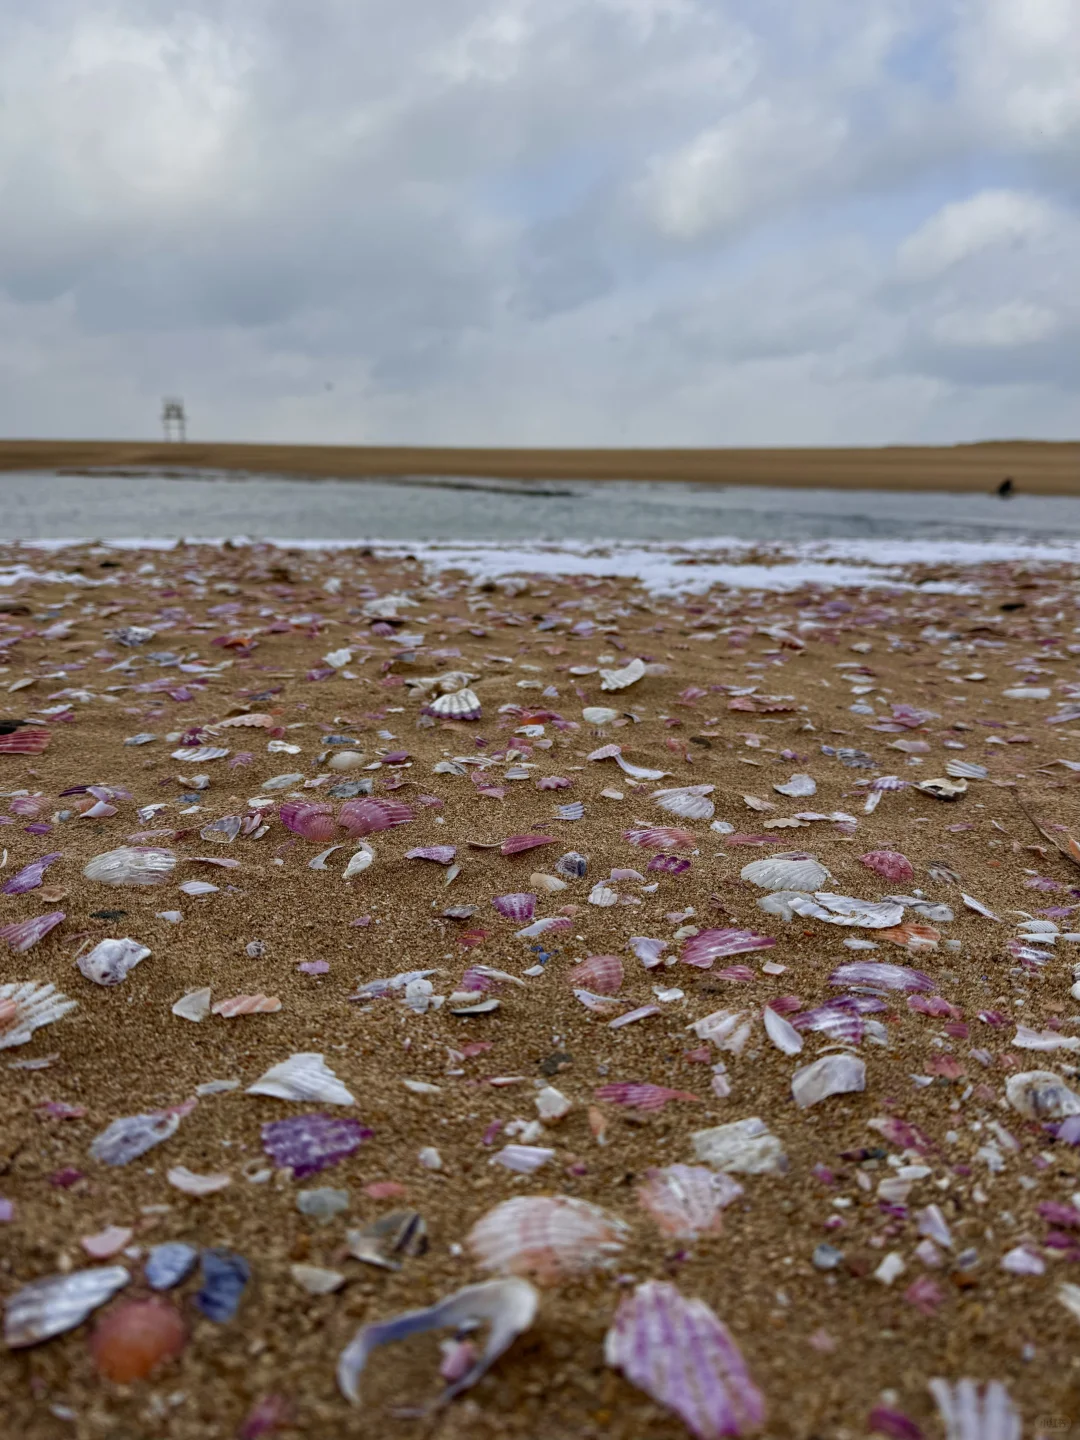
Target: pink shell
(22, 934)
(247, 1005)
(662, 837)
(642, 1097)
(517, 907)
(312, 822)
(889, 863)
(518, 844)
(648, 950)
(25, 742)
(368, 817)
(686, 1200)
(600, 973)
(546, 1237)
(441, 854)
(709, 945)
(553, 782)
(668, 864)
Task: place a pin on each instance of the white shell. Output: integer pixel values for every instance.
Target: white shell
(346, 760)
(198, 754)
(689, 802)
(456, 702)
(968, 1415)
(621, 679)
(847, 910)
(547, 1237)
(745, 1147)
(315, 1280)
(130, 866)
(111, 961)
(837, 1074)
(781, 1032)
(181, 1178)
(358, 863)
(302, 1077)
(603, 895)
(790, 870)
(35, 1005)
(195, 1005)
(966, 770)
(599, 715)
(686, 1200)
(798, 786)
(58, 1303)
(1041, 1095)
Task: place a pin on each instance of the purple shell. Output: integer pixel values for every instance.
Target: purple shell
(518, 907)
(306, 1144)
(888, 977)
(647, 950)
(893, 1423)
(889, 863)
(553, 782)
(519, 844)
(441, 854)
(681, 1355)
(22, 934)
(30, 876)
(313, 822)
(840, 1019)
(709, 945)
(669, 864)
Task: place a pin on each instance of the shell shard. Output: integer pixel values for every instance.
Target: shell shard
(601, 973)
(847, 910)
(22, 935)
(546, 1237)
(306, 1144)
(305, 1076)
(686, 1200)
(685, 1359)
(30, 876)
(661, 837)
(648, 950)
(689, 803)
(794, 870)
(642, 1096)
(131, 865)
(133, 1135)
(1041, 1095)
(798, 787)
(49, 1307)
(441, 854)
(169, 1263)
(743, 1147)
(519, 844)
(890, 864)
(781, 1032)
(972, 1412)
(26, 1006)
(837, 1074)
(707, 946)
(508, 1306)
(111, 961)
(247, 1005)
(623, 678)
(878, 973)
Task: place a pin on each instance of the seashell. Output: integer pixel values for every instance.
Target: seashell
(599, 715)
(369, 817)
(195, 1005)
(647, 950)
(441, 854)
(689, 802)
(601, 973)
(781, 1032)
(550, 883)
(686, 1200)
(798, 786)
(198, 887)
(107, 1242)
(914, 937)
(22, 935)
(509, 1306)
(965, 770)
(199, 754)
(265, 722)
(847, 910)
(224, 1278)
(662, 837)
(135, 1338)
(1041, 1095)
(131, 865)
(310, 821)
(168, 1264)
(518, 844)
(972, 1412)
(572, 865)
(52, 1306)
(842, 1019)
(669, 864)
(552, 1104)
(111, 961)
(603, 896)
(943, 789)
(726, 1029)
(25, 1006)
(889, 863)
(402, 1232)
(282, 782)
(831, 1075)
(523, 1159)
(306, 1144)
(315, 1280)
(133, 1135)
(224, 831)
(709, 945)
(344, 760)
(541, 927)
(793, 870)
(305, 1076)
(456, 705)
(247, 1005)
(878, 974)
(547, 1237)
(575, 811)
(625, 677)
(181, 1178)
(30, 876)
(743, 1147)
(358, 863)
(685, 1359)
(553, 782)
(517, 907)
(26, 741)
(641, 1097)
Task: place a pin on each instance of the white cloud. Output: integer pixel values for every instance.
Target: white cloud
(1017, 322)
(965, 227)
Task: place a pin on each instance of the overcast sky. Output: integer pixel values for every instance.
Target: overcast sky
(657, 222)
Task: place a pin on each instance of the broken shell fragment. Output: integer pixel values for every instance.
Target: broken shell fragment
(131, 865)
(402, 1233)
(49, 1307)
(686, 1200)
(743, 1147)
(111, 961)
(1041, 1095)
(943, 788)
(831, 1075)
(305, 1076)
(26, 1006)
(625, 677)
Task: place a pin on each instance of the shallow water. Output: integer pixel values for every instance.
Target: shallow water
(45, 505)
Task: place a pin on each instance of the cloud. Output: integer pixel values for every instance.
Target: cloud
(545, 221)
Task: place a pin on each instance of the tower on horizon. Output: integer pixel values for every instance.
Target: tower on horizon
(173, 418)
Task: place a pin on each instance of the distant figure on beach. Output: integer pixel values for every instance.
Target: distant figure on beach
(1005, 489)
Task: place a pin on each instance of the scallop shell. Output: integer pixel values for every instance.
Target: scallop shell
(369, 817)
(25, 1007)
(111, 961)
(456, 705)
(599, 715)
(790, 870)
(517, 907)
(831, 1075)
(547, 1237)
(519, 844)
(572, 865)
(21, 935)
(798, 786)
(709, 945)
(848, 910)
(310, 821)
(344, 760)
(689, 802)
(305, 1076)
(623, 678)
(1041, 1095)
(441, 854)
(553, 782)
(25, 742)
(965, 770)
(602, 973)
(686, 1200)
(889, 863)
(550, 883)
(49, 1307)
(685, 1359)
(131, 865)
(881, 975)
(661, 837)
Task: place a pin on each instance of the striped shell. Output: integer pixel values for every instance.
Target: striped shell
(686, 1200)
(601, 973)
(25, 742)
(441, 854)
(265, 722)
(368, 817)
(311, 822)
(709, 945)
(21, 935)
(661, 837)
(889, 863)
(623, 678)
(131, 865)
(794, 870)
(518, 844)
(302, 1077)
(546, 1237)
(26, 1007)
(247, 1005)
(518, 907)
(456, 705)
(58, 1303)
(689, 802)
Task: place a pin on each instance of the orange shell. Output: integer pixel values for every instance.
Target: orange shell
(133, 1339)
(603, 974)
